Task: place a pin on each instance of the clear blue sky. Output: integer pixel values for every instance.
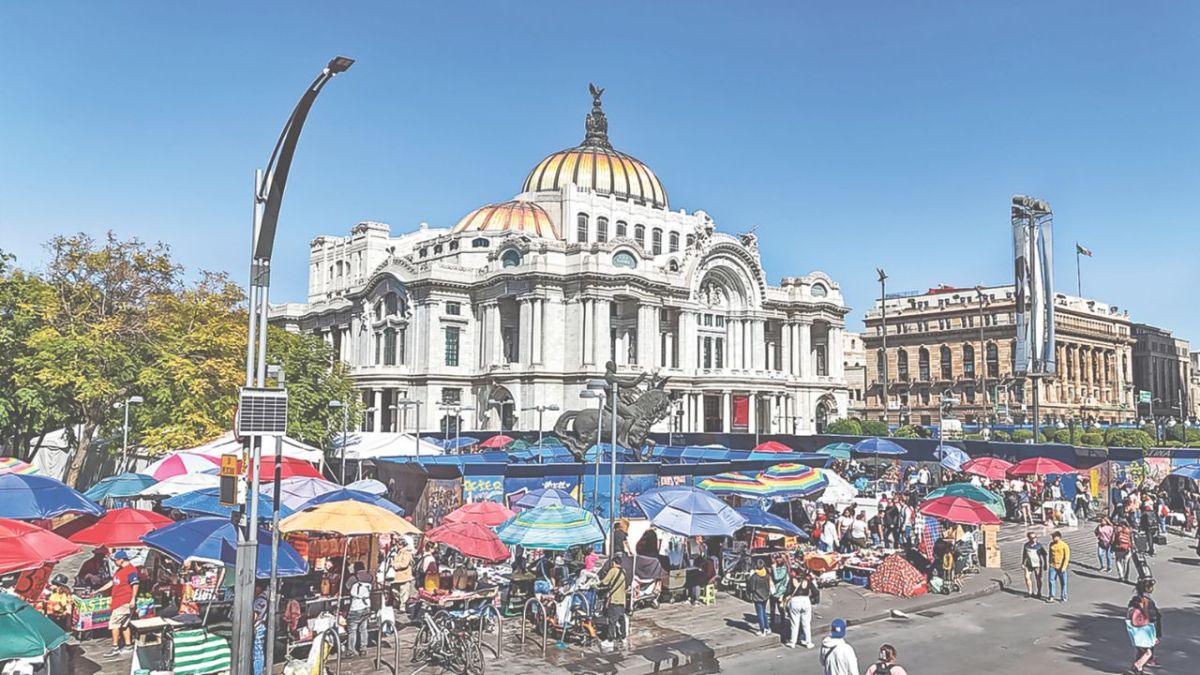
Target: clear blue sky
(854, 135)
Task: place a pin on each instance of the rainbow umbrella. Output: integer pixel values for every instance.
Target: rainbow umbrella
(793, 480)
(14, 465)
(734, 483)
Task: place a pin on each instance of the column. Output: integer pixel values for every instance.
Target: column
(687, 340)
(497, 351)
(758, 342)
(601, 317)
(377, 413)
(806, 369)
(586, 330)
(754, 421)
(539, 308)
(525, 331)
(835, 356)
(726, 411)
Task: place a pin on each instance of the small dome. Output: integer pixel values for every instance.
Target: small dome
(513, 216)
(595, 165)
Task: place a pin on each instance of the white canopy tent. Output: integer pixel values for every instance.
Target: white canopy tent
(226, 443)
(366, 445)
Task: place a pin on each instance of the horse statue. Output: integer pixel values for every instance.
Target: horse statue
(637, 411)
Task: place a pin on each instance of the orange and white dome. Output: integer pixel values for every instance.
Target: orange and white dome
(511, 216)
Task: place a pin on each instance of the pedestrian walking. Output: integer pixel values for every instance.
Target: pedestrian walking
(1060, 560)
(125, 583)
(1034, 561)
(358, 587)
(886, 665)
(612, 590)
(1143, 622)
(1122, 544)
(1148, 524)
(837, 656)
(1026, 508)
(1104, 544)
(758, 590)
(780, 581)
(805, 594)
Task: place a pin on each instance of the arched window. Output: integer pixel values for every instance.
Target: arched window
(581, 228)
(602, 229)
(479, 242)
(902, 365)
(819, 290)
(923, 365)
(993, 360)
(510, 258)
(639, 234)
(624, 259)
(691, 240)
(656, 242)
(622, 229)
(673, 265)
(947, 363)
(673, 242)
(968, 361)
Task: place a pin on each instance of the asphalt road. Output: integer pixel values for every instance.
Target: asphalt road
(1008, 633)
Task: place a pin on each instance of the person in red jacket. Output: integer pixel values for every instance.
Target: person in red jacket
(124, 585)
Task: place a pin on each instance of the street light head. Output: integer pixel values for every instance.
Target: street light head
(591, 393)
(136, 399)
(552, 407)
(882, 275)
(597, 385)
(335, 404)
(339, 64)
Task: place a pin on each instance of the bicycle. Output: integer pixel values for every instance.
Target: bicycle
(448, 642)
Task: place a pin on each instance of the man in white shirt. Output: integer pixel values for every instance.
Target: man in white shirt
(923, 477)
(836, 655)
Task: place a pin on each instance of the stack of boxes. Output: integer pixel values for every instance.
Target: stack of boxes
(991, 546)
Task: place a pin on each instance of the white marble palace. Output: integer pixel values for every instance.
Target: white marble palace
(521, 302)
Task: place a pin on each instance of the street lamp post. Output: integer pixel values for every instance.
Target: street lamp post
(268, 198)
(883, 331)
(614, 395)
(345, 431)
(405, 403)
(983, 401)
(595, 389)
(541, 409)
(125, 428)
(458, 411)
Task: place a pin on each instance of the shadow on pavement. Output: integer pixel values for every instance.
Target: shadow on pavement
(1101, 643)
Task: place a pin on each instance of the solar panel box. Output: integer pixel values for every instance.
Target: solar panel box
(262, 412)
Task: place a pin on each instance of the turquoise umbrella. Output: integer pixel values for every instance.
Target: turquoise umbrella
(552, 528)
(836, 450)
(26, 633)
(119, 487)
(993, 501)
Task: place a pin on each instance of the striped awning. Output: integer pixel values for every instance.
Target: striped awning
(199, 651)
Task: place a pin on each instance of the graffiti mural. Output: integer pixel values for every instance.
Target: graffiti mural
(515, 488)
(440, 497)
(483, 489)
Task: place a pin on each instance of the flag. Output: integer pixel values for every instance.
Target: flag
(1083, 251)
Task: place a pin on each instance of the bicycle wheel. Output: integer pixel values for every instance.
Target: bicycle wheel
(422, 645)
(473, 653)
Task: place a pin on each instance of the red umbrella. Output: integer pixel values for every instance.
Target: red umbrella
(497, 441)
(959, 510)
(119, 528)
(290, 467)
(24, 546)
(470, 539)
(991, 468)
(488, 514)
(772, 446)
(1040, 466)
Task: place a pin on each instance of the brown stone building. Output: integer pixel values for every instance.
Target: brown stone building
(959, 342)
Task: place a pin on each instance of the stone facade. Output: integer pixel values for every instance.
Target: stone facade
(854, 364)
(960, 342)
(521, 303)
(1161, 366)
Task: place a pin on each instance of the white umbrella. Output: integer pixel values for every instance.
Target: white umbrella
(369, 486)
(296, 491)
(839, 489)
(177, 485)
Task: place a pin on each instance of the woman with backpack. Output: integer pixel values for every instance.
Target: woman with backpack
(1143, 621)
(758, 591)
(886, 665)
(1122, 544)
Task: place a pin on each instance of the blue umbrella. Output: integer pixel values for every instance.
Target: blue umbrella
(546, 497)
(951, 457)
(765, 520)
(207, 502)
(33, 497)
(1188, 471)
(878, 446)
(121, 486)
(348, 495)
(214, 540)
(689, 511)
(459, 443)
(605, 453)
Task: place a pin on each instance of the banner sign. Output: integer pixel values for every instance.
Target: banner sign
(1033, 258)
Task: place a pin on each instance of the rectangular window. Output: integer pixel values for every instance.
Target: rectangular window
(708, 319)
(389, 347)
(452, 396)
(708, 355)
(453, 308)
(720, 321)
(452, 346)
(720, 353)
(378, 349)
(400, 347)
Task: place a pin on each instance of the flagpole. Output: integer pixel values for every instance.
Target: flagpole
(1078, 274)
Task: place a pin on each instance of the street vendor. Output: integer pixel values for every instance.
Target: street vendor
(59, 601)
(94, 572)
(124, 585)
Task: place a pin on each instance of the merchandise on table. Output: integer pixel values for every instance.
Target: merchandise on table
(92, 613)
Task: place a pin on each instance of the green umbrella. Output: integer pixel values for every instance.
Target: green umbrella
(26, 633)
(993, 501)
(517, 446)
(836, 450)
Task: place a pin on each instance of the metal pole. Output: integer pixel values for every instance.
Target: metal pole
(599, 431)
(612, 486)
(417, 431)
(539, 411)
(1037, 437)
(273, 589)
(883, 323)
(125, 437)
(982, 362)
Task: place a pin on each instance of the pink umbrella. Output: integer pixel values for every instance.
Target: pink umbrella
(991, 468)
(1040, 466)
(497, 441)
(959, 510)
(488, 514)
(179, 463)
(772, 446)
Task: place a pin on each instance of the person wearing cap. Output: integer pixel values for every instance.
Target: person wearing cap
(94, 572)
(124, 585)
(837, 656)
(60, 601)
(402, 579)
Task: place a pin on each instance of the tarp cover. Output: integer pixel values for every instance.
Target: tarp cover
(896, 576)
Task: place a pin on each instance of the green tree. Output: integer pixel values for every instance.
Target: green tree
(1001, 436)
(1021, 435)
(1093, 439)
(313, 379)
(874, 428)
(1128, 438)
(28, 408)
(194, 365)
(846, 426)
(911, 431)
(96, 334)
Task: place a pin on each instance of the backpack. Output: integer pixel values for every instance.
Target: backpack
(1123, 541)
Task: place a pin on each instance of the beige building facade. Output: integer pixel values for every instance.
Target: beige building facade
(957, 344)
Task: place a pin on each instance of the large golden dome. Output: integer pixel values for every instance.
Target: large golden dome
(595, 165)
(513, 216)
